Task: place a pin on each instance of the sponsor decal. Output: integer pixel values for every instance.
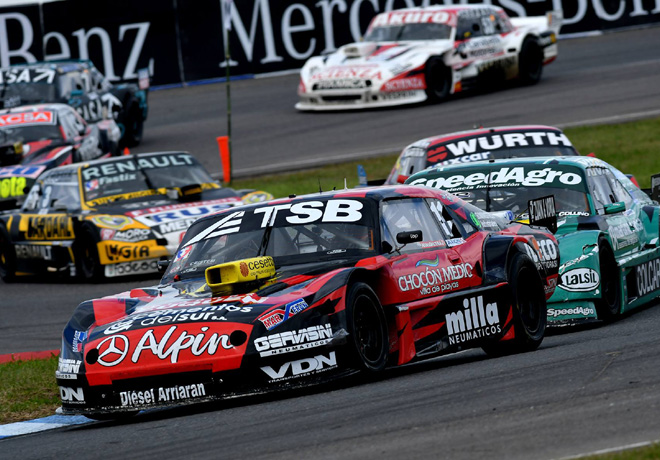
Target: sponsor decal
(302, 367)
(542, 212)
(183, 315)
(404, 84)
(475, 321)
(454, 242)
(114, 222)
(9, 76)
(432, 244)
(197, 305)
(186, 215)
(573, 213)
(12, 186)
(275, 317)
(31, 172)
(504, 177)
(289, 341)
(72, 395)
(580, 280)
(132, 235)
(339, 210)
(583, 311)
(115, 252)
(132, 165)
(114, 349)
(488, 143)
(428, 262)
(91, 185)
(162, 395)
(131, 268)
(648, 277)
(624, 235)
(399, 18)
(48, 228)
(68, 366)
(340, 83)
(78, 338)
(33, 251)
(435, 280)
(544, 253)
(183, 253)
(336, 73)
(27, 118)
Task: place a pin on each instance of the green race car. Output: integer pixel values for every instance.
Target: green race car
(607, 228)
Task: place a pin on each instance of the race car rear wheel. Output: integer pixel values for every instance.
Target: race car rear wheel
(530, 62)
(7, 257)
(608, 306)
(87, 255)
(438, 80)
(367, 328)
(529, 309)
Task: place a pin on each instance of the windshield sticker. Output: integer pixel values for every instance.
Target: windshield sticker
(488, 143)
(504, 177)
(399, 18)
(11, 76)
(27, 119)
(133, 164)
(312, 211)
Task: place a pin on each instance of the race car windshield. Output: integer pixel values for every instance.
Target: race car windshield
(30, 93)
(510, 188)
(141, 174)
(533, 151)
(33, 133)
(302, 233)
(409, 32)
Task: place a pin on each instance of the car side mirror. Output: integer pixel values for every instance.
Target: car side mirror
(77, 93)
(162, 265)
(409, 237)
(614, 208)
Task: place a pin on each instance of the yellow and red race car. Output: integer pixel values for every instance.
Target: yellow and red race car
(110, 217)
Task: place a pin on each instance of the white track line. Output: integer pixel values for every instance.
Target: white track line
(41, 424)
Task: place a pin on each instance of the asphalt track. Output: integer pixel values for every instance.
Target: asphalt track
(582, 391)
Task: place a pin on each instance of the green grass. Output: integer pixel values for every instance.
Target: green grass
(651, 452)
(633, 148)
(28, 389)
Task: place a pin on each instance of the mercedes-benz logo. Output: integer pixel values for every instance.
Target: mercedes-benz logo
(113, 350)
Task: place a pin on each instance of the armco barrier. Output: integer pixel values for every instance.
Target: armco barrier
(183, 41)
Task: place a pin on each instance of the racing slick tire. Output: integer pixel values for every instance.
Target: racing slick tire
(133, 127)
(608, 306)
(7, 257)
(530, 62)
(367, 328)
(529, 313)
(88, 265)
(438, 80)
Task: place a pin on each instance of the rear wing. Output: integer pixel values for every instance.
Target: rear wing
(551, 22)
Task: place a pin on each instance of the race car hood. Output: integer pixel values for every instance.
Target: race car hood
(167, 217)
(375, 62)
(184, 327)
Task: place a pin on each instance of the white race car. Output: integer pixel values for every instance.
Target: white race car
(417, 54)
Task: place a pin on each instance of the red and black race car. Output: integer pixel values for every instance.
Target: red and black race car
(296, 291)
(478, 145)
(35, 138)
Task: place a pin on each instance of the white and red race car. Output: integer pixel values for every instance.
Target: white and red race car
(414, 55)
